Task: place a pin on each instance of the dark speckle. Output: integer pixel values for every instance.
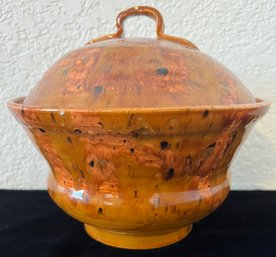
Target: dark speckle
(91, 164)
(78, 86)
(100, 124)
(53, 117)
(189, 160)
(22, 111)
(212, 146)
(166, 208)
(177, 145)
(162, 72)
(164, 145)
(130, 120)
(100, 210)
(226, 148)
(135, 194)
(69, 140)
(128, 170)
(65, 71)
(174, 209)
(81, 172)
(42, 130)
(205, 114)
(78, 131)
(132, 150)
(97, 90)
(169, 174)
(234, 136)
(124, 141)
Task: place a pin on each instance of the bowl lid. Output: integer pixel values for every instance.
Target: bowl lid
(112, 72)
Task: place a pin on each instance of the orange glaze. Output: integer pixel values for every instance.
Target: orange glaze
(150, 174)
(139, 134)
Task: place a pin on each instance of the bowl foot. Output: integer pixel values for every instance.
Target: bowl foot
(137, 240)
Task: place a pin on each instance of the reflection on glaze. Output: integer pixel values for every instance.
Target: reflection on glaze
(77, 194)
(160, 199)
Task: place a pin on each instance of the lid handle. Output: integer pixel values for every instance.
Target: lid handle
(150, 12)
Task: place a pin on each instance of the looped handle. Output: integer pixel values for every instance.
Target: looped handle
(150, 12)
(138, 10)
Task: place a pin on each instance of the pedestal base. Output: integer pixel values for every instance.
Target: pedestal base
(137, 240)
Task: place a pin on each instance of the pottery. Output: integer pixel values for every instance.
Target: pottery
(139, 134)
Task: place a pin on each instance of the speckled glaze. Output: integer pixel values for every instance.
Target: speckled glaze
(139, 134)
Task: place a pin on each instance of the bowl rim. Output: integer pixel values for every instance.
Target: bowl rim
(17, 103)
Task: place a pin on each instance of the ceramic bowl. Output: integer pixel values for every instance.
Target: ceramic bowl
(139, 135)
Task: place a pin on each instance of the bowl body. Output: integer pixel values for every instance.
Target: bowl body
(139, 134)
(139, 178)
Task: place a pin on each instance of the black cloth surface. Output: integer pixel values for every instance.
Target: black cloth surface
(31, 225)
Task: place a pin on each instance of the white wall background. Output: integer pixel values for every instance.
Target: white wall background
(34, 33)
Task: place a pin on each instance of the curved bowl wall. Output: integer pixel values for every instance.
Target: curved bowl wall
(139, 178)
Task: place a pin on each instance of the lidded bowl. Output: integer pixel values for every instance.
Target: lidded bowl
(139, 134)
